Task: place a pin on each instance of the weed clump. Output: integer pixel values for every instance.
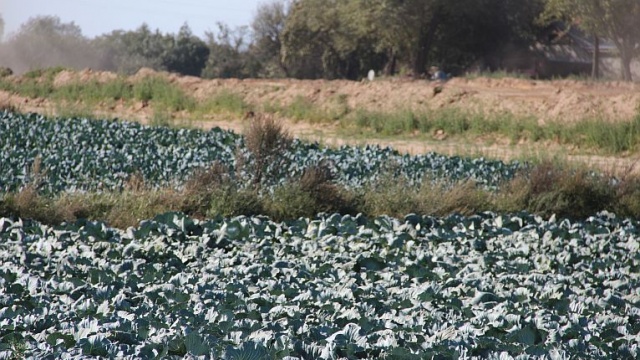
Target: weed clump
(553, 188)
(267, 143)
(314, 192)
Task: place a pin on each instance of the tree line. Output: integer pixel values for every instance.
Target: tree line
(329, 38)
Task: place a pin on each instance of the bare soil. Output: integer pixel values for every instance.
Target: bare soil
(558, 100)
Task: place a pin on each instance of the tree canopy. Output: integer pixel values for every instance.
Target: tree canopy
(331, 38)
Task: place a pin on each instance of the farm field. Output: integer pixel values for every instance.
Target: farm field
(78, 154)
(331, 286)
(335, 287)
(327, 275)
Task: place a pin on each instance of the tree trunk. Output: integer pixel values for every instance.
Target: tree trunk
(420, 61)
(423, 47)
(595, 66)
(390, 67)
(625, 64)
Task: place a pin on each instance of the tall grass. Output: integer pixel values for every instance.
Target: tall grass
(224, 101)
(611, 137)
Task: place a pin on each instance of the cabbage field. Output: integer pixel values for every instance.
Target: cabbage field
(81, 154)
(335, 287)
(488, 286)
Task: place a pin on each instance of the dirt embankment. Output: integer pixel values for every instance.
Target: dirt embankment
(560, 100)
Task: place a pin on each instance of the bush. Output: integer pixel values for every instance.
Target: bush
(267, 142)
(314, 192)
(553, 188)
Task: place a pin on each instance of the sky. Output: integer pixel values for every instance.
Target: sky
(97, 17)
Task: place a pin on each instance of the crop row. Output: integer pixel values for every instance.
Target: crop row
(485, 286)
(81, 154)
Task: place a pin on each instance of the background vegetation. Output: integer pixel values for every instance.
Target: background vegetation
(330, 39)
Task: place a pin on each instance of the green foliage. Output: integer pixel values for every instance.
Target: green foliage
(94, 92)
(301, 108)
(225, 101)
(187, 55)
(355, 287)
(34, 84)
(615, 137)
(267, 26)
(228, 57)
(344, 39)
(160, 91)
(5, 71)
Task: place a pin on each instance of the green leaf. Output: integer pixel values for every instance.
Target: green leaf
(57, 338)
(246, 351)
(196, 345)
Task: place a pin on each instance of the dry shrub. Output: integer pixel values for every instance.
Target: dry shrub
(208, 179)
(391, 196)
(212, 192)
(317, 181)
(128, 208)
(627, 190)
(554, 188)
(314, 192)
(5, 71)
(229, 201)
(266, 140)
(135, 182)
(464, 198)
(513, 195)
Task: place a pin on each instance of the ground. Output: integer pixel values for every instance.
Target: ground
(557, 100)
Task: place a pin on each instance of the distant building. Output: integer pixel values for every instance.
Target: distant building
(563, 51)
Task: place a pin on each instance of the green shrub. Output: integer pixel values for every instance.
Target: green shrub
(291, 202)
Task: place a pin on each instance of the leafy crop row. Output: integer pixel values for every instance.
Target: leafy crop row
(485, 286)
(81, 154)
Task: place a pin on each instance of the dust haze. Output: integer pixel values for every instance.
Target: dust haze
(46, 42)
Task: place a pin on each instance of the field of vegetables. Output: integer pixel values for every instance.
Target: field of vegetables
(489, 286)
(486, 286)
(81, 154)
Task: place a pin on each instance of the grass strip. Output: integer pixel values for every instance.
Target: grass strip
(546, 188)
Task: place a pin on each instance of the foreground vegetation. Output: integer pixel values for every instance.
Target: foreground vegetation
(125, 172)
(480, 287)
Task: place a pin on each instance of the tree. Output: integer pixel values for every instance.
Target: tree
(186, 54)
(323, 39)
(267, 26)
(229, 56)
(128, 51)
(616, 20)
